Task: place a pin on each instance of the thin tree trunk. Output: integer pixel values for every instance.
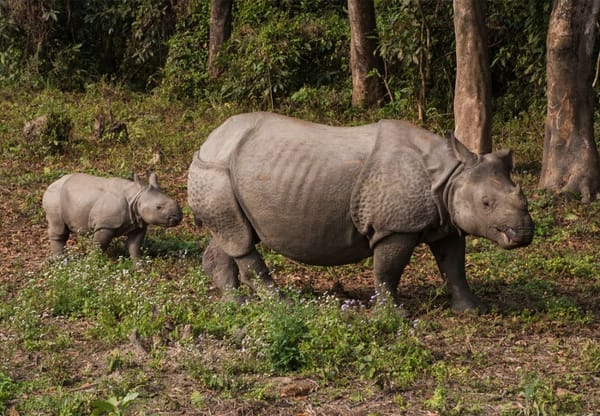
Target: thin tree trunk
(367, 88)
(473, 89)
(219, 32)
(570, 163)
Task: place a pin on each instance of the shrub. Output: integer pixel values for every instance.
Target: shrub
(184, 72)
(268, 61)
(49, 134)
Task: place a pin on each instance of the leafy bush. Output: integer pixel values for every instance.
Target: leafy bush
(185, 73)
(517, 38)
(56, 133)
(266, 64)
(68, 45)
(49, 134)
(286, 331)
(416, 42)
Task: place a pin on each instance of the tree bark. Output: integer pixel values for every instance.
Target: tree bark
(473, 89)
(570, 163)
(219, 32)
(367, 87)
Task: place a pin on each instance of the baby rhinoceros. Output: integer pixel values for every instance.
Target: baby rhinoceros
(108, 208)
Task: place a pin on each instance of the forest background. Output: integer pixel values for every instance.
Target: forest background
(282, 54)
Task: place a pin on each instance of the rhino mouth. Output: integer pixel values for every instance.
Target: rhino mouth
(174, 220)
(509, 237)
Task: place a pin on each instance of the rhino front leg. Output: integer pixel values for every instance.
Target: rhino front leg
(134, 243)
(449, 254)
(390, 257)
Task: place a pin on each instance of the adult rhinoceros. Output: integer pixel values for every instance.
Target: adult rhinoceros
(328, 195)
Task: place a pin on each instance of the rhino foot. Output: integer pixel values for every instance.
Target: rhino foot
(470, 305)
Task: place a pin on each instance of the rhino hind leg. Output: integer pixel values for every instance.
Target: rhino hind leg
(220, 267)
(227, 272)
(254, 270)
(390, 257)
(449, 254)
(58, 234)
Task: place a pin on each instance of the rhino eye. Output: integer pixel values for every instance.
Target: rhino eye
(159, 207)
(487, 203)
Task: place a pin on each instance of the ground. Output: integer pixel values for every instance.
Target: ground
(537, 352)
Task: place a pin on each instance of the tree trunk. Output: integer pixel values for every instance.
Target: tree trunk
(367, 87)
(219, 32)
(570, 163)
(473, 89)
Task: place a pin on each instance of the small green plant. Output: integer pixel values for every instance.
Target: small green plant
(197, 399)
(113, 406)
(7, 389)
(438, 400)
(285, 333)
(542, 400)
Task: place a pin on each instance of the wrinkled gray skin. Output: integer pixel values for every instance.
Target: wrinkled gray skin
(106, 207)
(334, 195)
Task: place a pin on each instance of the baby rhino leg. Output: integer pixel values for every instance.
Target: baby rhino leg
(103, 237)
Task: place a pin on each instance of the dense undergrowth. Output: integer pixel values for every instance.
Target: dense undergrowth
(95, 334)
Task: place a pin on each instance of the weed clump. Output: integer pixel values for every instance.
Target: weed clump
(49, 134)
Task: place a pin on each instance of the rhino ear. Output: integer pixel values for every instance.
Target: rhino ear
(460, 150)
(140, 181)
(153, 180)
(505, 156)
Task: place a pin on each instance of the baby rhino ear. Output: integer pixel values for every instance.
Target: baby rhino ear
(153, 180)
(505, 156)
(140, 181)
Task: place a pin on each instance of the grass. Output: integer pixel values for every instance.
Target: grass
(96, 334)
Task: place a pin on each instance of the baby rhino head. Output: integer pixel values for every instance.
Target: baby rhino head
(154, 206)
(486, 202)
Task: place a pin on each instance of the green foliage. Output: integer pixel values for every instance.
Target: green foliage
(542, 400)
(517, 38)
(55, 134)
(185, 70)
(334, 341)
(270, 62)
(7, 388)
(95, 287)
(278, 50)
(113, 406)
(286, 331)
(68, 44)
(414, 40)
(61, 403)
